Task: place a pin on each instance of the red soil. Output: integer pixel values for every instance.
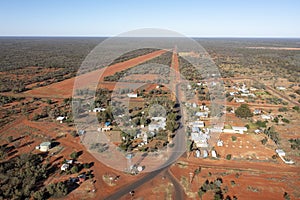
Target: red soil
(64, 89)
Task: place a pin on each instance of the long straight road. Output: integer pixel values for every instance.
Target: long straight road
(178, 149)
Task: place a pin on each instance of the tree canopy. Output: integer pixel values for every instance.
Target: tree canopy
(243, 111)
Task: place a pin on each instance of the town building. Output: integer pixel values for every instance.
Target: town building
(45, 146)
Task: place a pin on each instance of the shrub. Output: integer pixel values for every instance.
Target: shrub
(243, 111)
(286, 120)
(74, 155)
(286, 196)
(283, 109)
(232, 183)
(228, 156)
(74, 169)
(264, 141)
(86, 165)
(74, 134)
(297, 108)
(261, 123)
(233, 138)
(10, 138)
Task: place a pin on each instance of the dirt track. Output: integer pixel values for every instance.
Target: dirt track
(64, 89)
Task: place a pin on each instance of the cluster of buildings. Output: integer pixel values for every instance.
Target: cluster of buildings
(242, 91)
(157, 123)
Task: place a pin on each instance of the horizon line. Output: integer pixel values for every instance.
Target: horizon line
(191, 36)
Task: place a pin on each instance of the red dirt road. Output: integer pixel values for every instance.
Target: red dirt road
(64, 89)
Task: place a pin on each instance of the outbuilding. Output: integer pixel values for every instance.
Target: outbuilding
(64, 167)
(239, 129)
(45, 146)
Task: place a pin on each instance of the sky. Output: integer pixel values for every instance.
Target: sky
(194, 18)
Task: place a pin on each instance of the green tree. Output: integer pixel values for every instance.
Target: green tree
(228, 156)
(286, 196)
(264, 141)
(38, 195)
(171, 124)
(233, 138)
(201, 193)
(10, 139)
(74, 155)
(243, 111)
(74, 169)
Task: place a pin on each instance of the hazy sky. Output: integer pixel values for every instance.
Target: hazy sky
(239, 18)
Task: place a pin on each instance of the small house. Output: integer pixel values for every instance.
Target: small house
(157, 123)
(219, 143)
(257, 131)
(266, 117)
(107, 128)
(204, 107)
(45, 146)
(205, 153)
(202, 114)
(228, 130)
(70, 161)
(253, 89)
(213, 154)
(198, 153)
(257, 112)
(98, 110)
(239, 100)
(200, 139)
(81, 132)
(239, 129)
(64, 167)
(132, 95)
(232, 93)
(280, 88)
(280, 152)
(60, 119)
(199, 124)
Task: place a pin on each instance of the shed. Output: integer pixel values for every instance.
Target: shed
(98, 109)
(45, 146)
(257, 112)
(266, 117)
(280, 152)
(239, 100)
(220, 143)
(205, 153)
(239, 129)
(213, 154)
(198, 153)
(132, 95)
(60, 119)
(199, 124)
(202, 114)
(81, 132)
(64, 167)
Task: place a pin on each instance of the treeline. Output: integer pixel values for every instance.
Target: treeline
(234, 57)
(8, 99)
(133, 54)
(63, 54)
(17, 53)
